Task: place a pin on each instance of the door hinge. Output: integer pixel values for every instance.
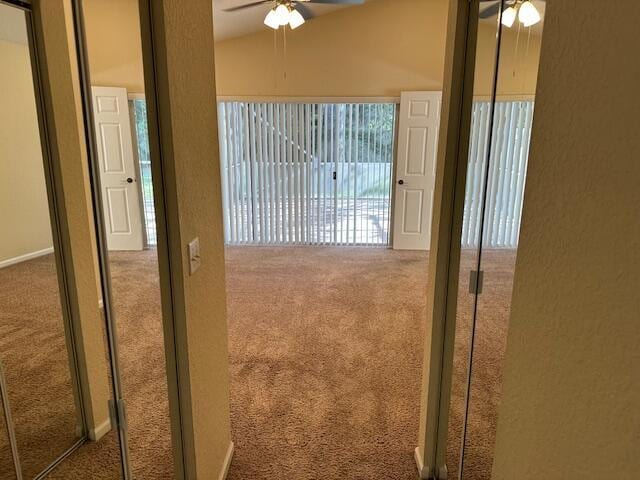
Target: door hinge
(476, 279)
(118, 413)
(335, 175)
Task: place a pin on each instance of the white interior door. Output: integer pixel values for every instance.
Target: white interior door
(118, 174)
(415, 169)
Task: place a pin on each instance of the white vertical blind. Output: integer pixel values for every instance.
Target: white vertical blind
(139, 108)
(278, 162)
(506, 176)
(303, 173)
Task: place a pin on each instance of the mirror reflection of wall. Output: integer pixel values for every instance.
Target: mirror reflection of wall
(40, 380)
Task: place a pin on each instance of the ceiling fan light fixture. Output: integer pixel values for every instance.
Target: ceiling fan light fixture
(509, 17)
(271, 20)
(282, 14)
(295, 19)
(528, 14)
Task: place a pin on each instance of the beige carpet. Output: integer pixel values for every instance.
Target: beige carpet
(325, 353)
(325, 361)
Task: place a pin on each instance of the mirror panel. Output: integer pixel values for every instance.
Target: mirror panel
(479, 137)
(124, 166)
(512, 117)
(35, 346)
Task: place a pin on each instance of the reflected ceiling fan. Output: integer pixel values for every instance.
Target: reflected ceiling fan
(290, 12)
(523, 10)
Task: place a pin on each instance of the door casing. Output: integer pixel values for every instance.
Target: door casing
(446, 233)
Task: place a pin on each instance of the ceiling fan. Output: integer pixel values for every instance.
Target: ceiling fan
(290, 12)
(523, 10)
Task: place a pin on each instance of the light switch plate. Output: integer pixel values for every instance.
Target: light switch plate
(194, 255)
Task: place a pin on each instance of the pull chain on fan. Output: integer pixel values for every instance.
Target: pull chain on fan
(293, 13)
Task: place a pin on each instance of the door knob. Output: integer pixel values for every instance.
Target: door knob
(129, 180)
(400, 182)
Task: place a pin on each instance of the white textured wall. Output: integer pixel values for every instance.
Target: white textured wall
(571, 395)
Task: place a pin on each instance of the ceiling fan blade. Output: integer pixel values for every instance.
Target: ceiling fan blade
(247, 5)
(336, 2)
(306, 12)
(490, 11)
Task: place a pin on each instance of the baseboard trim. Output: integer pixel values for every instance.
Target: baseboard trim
(27, 256)
(424, 472)
(227, 462)
(100, 431)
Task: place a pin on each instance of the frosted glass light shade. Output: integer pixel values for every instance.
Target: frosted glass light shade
(282, 14)
(509, 16)
(295, 19)
(271, 20)
(528, 14)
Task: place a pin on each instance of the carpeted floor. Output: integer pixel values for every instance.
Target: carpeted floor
(325, 361)
(325, 354)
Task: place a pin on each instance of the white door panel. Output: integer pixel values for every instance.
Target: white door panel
(118, 174)
(117, 201)
(415, 169)
(412, 221)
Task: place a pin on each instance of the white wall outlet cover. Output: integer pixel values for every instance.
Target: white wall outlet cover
(194, 255)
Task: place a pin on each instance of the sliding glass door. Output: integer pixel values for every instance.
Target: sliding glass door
(307, 173)
(296, 173)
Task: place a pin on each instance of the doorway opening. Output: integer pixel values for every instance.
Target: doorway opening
(328, 148)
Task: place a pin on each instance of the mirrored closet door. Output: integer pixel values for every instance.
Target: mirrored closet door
(486, 47)
(507, 37)
(40, 382)
(54, 415)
